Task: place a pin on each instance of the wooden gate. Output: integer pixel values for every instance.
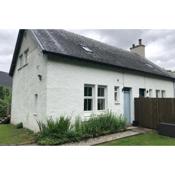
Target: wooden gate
(149, 112)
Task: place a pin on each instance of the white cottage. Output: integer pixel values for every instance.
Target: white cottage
(57, 72)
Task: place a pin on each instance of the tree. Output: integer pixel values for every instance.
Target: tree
(5, 100)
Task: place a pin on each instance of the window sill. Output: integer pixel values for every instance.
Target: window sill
(22, 67)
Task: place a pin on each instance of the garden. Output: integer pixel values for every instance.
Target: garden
(62, 130)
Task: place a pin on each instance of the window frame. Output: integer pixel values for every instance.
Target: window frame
(142, 90)
(158, 93)
(163, 93)
(26, 56)
(102, 97)
(89, 97)
(117, 91)
(21, 61)
(150, 91)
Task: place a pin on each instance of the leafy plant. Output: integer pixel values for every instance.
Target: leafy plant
(19, 125)
(62, 131)
(5, 99)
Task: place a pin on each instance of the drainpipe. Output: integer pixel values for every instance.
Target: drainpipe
(174, 87)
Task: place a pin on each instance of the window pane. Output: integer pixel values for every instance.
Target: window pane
(115, 96)
(87, 104)
(115, 88)
(163, 94)
(157, 93)
(150, 92)
(101, 104)
(101, 91)
(87, 91)
(141, 92)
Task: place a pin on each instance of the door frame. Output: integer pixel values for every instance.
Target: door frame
(129, 90)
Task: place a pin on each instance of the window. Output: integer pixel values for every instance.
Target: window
(87, 49)
(35, 104)
(116, 94)
(26, 56)
(141, 92)
(88, 97)
(150, 92)
(163, 93)
(21, 60)
(157, 93)
(101, 98)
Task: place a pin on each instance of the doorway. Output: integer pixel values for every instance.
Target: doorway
(127, 104)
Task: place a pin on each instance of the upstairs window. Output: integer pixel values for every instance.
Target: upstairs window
(88, 97)
(150, 92)
(116, 94)
(157, 93)
(163, 93)
(142, 92)
(26, 56)
(87, 49)
(101, 98)
(21, 60)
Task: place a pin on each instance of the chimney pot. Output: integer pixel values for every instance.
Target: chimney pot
(140, 41)
(139, 49)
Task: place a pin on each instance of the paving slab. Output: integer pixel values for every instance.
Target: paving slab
(94, 141)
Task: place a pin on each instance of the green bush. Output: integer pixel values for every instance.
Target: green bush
(3, 108)
(19, 125)
(5, 100)
(62, 131)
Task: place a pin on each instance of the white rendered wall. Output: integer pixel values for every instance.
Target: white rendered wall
(26, 84)
(65, 87)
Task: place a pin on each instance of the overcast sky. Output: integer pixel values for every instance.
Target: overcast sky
(160, 44)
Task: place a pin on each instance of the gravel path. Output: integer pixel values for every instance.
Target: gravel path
(131, 131)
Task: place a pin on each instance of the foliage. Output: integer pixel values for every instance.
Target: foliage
(5, 100)
(62, 131)
(19, 125)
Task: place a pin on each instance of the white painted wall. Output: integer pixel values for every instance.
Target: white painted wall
(26, 84)
(61, 90)
(65, 87)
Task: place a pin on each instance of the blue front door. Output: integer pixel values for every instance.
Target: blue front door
(127, 104)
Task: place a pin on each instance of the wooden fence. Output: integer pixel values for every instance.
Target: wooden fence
(149, 112)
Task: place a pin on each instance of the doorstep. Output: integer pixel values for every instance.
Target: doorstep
(131, 131)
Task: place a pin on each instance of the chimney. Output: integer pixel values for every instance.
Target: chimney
(139, 49)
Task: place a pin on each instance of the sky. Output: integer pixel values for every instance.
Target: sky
(160, 44)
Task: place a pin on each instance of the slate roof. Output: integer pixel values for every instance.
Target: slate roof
(5, 79)
(71, 44)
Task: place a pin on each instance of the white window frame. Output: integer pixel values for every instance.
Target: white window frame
(89, 97)
(116, 91)
(163, 93)
(26, 56)
(158, 95)
(102, 97)
(20, 60)
(150, 93)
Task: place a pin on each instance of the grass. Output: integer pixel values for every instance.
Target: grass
(10, 135)
(148, 139)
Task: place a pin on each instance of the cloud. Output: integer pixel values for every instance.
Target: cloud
(7, 45)
(160, 44)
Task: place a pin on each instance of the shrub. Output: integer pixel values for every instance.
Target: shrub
(62, 131)
(19, 125)
(3, 108)
(5, 99)
(103, 124)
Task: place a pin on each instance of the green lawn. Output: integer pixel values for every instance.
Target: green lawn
(9, 135)
(147, 139)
